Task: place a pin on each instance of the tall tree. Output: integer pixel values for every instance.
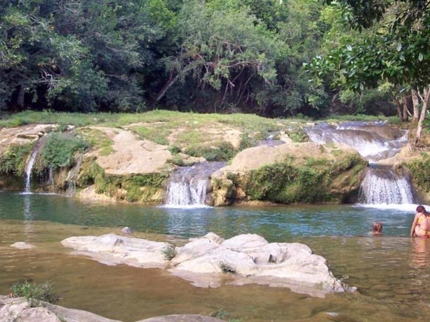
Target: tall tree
(397, 53)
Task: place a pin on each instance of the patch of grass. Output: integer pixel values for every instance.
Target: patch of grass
(223, 151)
(157, 134)
(35, 293)
(97, 139)
(220, 314)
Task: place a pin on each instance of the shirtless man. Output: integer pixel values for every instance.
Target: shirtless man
(421, 224)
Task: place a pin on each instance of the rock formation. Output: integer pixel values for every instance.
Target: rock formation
(211, 261)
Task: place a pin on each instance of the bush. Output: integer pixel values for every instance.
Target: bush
(59, 149)
(34, 293)
(13, 161)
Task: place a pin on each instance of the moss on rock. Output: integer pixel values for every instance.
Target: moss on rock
(318, 177)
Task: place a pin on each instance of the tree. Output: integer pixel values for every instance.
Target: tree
(81, 55)
(395, 52)
(218, 47)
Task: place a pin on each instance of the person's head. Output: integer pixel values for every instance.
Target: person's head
(377, 228)
(421, 209)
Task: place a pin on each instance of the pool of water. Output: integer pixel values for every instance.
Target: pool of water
(391, 271)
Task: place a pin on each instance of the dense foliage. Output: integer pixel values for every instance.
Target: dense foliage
(212, 55)
(131, 56)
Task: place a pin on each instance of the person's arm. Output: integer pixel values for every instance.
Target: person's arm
(414, 225)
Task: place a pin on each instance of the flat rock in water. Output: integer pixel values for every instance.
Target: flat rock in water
(211, 261)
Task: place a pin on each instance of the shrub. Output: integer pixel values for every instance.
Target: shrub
(169, 252)
(59, 149)
(34, 293)
(13, 161)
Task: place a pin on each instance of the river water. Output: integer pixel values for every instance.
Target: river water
(391, 272)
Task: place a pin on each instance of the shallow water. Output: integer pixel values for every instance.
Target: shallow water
(391, 271)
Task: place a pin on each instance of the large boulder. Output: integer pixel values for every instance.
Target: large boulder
(211, 261)
(249, 258)
(288, 173)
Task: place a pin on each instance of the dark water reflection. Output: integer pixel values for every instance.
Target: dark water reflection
(392, 272)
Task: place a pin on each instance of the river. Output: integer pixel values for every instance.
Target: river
(391, 271)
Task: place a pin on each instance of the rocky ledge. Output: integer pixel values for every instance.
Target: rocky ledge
(19, 310)
(211, 261)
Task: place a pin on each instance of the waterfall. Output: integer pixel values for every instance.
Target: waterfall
(188, 186)
(375, 142)
(72, 176)
(382, 185)
(29, 166)
(187, 193)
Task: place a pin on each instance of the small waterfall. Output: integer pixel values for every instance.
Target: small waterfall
(375, 142)
(72, 176)
(188, 186)
(30, 164)
(187, 193)
(382, 185)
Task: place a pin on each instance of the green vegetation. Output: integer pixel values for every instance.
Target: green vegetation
(35, 293)
(420, 169)
(14, 159)
(287, 182)
(132, 188)
(59, 149)
(222, 314)
(96, 139)
(169, 252)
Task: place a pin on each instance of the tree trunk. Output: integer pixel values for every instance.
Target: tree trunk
(21, 93)
(423, 114)
(406, 104)
(416, 106)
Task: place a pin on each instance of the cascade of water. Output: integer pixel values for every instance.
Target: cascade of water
(374, 142)
(29, 166)
(72, 177)
(188, 186)
(187, 193)
(381, 186)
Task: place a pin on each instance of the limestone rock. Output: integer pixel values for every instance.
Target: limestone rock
(18, 310)
(249, 258)
(211, 261)
(112, 250)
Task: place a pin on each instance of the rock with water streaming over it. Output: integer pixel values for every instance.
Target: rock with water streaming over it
(211, 261)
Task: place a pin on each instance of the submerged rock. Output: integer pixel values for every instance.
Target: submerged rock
(211, 261)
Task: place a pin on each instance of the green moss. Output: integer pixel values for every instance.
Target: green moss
(298, 135)
(132, 188)
(286, 182)
(420, 169)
